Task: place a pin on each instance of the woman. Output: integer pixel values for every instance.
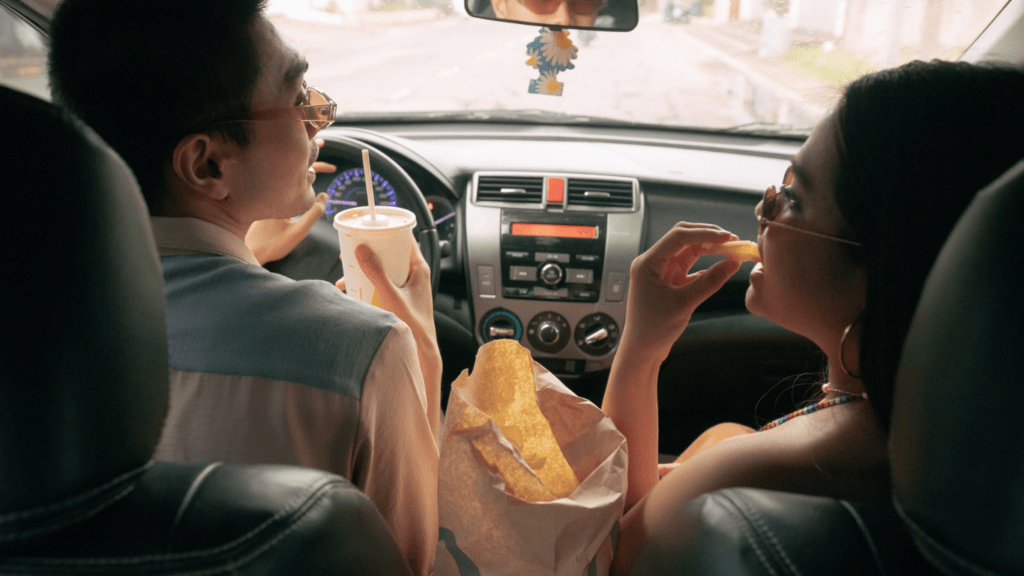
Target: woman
(846, 244)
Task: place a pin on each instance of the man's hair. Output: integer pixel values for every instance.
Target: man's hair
(145, 75)
(916, 143)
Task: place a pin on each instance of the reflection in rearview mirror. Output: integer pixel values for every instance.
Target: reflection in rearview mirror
(617, 15)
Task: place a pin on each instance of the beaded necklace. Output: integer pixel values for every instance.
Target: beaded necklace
(813, 408)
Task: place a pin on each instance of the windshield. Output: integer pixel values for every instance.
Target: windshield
(746, 65)
(758, 66)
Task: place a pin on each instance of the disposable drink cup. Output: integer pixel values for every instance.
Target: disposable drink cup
(389, 236)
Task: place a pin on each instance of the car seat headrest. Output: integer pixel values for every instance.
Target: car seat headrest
(955, 446)
(83, 360)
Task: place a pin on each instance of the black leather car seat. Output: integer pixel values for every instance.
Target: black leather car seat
(956, 448)
(83, 395)
(956, 444)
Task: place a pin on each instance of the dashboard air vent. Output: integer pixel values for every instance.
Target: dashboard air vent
(602, 193)
(518, 189)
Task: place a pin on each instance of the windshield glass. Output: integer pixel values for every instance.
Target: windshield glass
(22, 55)
(772, 66)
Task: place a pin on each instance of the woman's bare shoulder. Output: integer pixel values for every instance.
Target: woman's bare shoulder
(836, 452)
(830, 453)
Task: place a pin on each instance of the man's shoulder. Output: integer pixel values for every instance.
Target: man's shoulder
(229, 317)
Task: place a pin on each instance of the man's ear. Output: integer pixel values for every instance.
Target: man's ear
(199, 162)
(499, 8)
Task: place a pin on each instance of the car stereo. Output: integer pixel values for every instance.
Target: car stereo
(548, 257)
(552, 256)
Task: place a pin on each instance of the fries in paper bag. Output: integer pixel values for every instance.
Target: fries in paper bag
(532, 477)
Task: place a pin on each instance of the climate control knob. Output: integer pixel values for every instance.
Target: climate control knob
(596, 334)
(500, 324)
(548, 332)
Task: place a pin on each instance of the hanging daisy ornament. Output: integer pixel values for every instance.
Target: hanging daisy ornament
(533, 58)
(550, 53)
(558, 49)
(547, 84)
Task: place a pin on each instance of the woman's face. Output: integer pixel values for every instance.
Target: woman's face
(806, 283)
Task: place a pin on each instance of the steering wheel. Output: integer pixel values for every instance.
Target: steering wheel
(316, 257)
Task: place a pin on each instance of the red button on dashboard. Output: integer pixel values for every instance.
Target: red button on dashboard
(556, 189)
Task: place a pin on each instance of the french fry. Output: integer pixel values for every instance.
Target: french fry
(741, 250)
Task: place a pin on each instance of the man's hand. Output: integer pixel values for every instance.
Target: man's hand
(413, 303)
(273, 239)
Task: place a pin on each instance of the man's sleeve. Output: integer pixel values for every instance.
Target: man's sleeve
(396, 455)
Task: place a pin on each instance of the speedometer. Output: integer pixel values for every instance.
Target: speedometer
(348, 190)
(444, 217)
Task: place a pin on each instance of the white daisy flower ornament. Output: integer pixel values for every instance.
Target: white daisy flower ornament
(558, 49)
(550, 53)
(547, 84)
(533, 58)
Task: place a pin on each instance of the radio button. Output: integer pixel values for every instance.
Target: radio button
(579, 276)
(523, 273)
(588, 258)
(516, 292)
(485, 275)
(551, 274)
(546, 256)
(511, 254)
(585, 295)
(616, 289)
(544, 292)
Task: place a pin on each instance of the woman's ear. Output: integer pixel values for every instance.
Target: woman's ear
(199, 162)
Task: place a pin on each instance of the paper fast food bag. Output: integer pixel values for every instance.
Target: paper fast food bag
(532, 477)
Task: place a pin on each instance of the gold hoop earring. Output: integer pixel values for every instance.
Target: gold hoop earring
(842, 348)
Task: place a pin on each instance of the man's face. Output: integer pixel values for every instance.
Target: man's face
(278, 160)
(549, 12)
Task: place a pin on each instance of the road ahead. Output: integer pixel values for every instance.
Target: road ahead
(657, 73)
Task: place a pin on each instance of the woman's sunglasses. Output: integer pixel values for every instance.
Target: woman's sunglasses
(772, 204)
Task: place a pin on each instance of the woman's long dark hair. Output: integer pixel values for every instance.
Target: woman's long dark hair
(915, 145)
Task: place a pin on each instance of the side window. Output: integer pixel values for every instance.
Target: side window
(22, 55)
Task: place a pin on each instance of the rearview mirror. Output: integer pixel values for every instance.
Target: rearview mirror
(616, 15)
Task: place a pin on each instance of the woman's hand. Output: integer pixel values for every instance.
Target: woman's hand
(413, 303)
(662, 292)
(273, 239)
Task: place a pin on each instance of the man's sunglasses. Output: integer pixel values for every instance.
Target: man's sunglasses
(772, 204)
(317, 113)
(577, 7)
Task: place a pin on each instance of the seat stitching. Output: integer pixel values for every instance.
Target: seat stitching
(867, 536)
(74, 500)
(67, 519)
(186, 501)
(934, 552)
(746, 531)
(309, 501)
(756, 519)
(63, 513)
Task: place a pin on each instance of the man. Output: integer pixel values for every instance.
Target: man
(549, 12)
(207, 104)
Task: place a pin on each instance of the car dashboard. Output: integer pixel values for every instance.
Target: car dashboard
(538, 227)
